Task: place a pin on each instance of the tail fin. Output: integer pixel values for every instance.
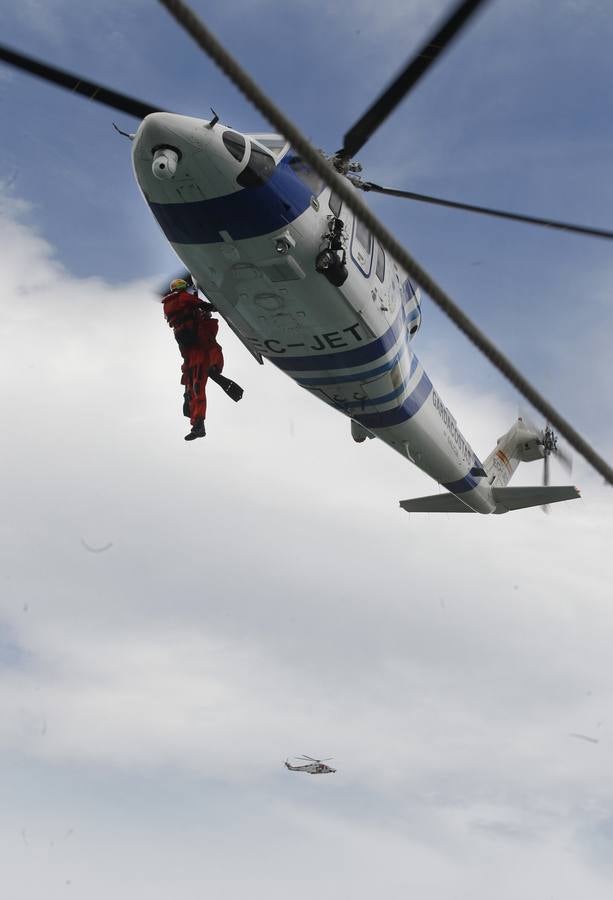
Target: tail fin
(523, 442)
(520, 444)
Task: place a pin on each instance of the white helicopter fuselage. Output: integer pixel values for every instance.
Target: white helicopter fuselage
(252, 250)
(314, 768)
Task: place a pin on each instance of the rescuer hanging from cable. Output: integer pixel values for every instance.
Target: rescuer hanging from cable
(196, 332)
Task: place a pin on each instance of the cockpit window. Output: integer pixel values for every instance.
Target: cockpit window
(235, 144)
(306, 174)
(273, 142)
(258, 170)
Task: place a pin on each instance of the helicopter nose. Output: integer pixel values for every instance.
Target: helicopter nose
(181, 159)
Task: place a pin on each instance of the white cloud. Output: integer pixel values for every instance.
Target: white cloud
(264, 596)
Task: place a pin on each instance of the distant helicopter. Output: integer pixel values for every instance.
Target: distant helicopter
(313, 767)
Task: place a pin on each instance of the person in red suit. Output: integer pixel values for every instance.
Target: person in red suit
(196, 334)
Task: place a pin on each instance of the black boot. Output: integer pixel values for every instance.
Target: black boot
(197, 431)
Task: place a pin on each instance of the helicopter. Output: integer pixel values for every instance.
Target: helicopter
(312, 766)
(304, 284)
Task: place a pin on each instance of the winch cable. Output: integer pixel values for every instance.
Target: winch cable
(185, 16)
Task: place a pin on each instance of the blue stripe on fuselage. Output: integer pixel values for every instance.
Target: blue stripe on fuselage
(411, 405)
(345, 379)
(244, 214)
(362, 356)
(346, 359)
(377, 401)
(359, 376)
(462, 484)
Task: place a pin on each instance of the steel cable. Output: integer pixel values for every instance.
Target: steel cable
(182, 13)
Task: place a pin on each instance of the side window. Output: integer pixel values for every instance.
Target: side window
(380, 264)
(336, 204)
(363, 235)
(258, 170)
(361, 248)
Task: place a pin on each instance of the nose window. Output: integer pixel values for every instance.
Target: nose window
(258, 170)
(234, 144)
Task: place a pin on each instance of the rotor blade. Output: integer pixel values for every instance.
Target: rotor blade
(545, 508)
(71, 82)
(426, 56)
(486, 211)
(312, 759)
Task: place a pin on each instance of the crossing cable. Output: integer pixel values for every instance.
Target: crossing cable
(196, 29)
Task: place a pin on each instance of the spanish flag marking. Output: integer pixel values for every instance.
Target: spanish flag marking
(502, 456)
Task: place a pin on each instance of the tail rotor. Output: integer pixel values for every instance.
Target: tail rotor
(549, 443)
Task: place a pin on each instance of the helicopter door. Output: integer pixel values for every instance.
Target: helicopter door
(362, 247)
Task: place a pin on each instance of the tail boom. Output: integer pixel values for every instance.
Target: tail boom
(519, 444)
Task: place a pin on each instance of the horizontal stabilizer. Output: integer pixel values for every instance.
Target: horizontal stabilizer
(437, 503)
(521, 497)
(506, 499)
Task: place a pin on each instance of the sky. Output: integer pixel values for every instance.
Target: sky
(259, 594)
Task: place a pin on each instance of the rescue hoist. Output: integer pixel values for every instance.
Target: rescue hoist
(331, 260)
